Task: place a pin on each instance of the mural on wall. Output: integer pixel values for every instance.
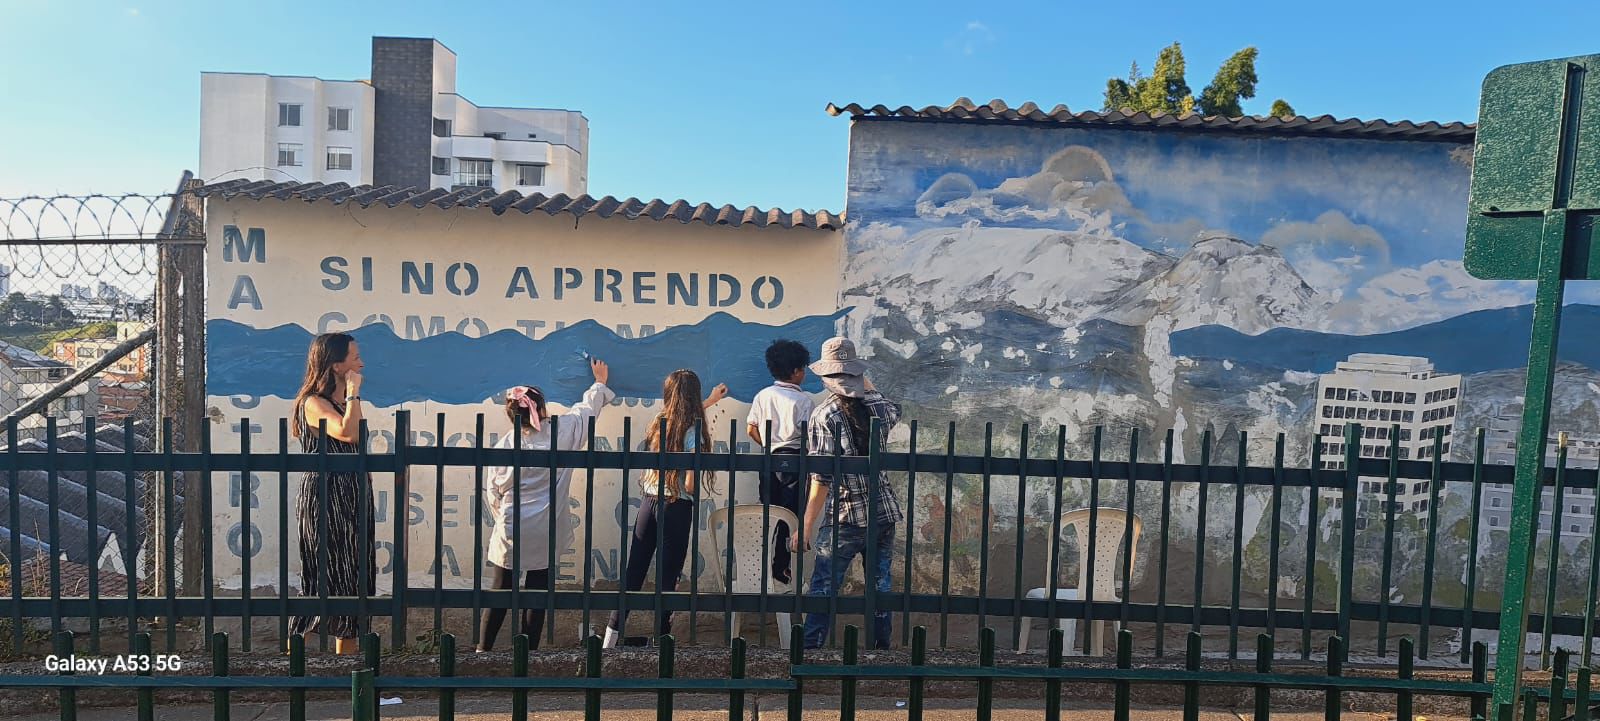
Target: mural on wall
(1151, 280)
(450, 309)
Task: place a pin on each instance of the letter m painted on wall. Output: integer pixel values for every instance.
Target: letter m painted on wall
(246, 248)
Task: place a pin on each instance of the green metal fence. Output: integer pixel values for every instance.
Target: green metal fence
(1316, 539)
(1566, 691)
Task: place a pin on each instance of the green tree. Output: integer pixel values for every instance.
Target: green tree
(1166, 90)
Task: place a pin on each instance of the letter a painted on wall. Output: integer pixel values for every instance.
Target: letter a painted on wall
(1532, 216)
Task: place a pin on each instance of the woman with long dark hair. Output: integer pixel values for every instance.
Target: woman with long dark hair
(327, 416)
(668, 496)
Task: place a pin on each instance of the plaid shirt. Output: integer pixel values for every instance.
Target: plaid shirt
(851, 492)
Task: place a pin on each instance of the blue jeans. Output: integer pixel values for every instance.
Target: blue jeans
(829, 572)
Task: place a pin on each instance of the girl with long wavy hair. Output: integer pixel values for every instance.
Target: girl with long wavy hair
(327, 416)
(668, 496)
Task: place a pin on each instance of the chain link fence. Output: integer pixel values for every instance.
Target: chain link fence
(80, 313)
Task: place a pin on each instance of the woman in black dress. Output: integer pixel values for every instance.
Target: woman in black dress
(331, 394)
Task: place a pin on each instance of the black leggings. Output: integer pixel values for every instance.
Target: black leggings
(532, 618)
(679, 522)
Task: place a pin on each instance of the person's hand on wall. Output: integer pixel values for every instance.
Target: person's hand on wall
(601, 371)
(718, 393)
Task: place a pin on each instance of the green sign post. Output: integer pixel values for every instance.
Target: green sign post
(1533, 216)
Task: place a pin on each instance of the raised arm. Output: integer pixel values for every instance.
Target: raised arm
(576, 420)
(718, 393)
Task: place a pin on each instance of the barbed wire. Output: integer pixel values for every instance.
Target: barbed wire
(130, 217)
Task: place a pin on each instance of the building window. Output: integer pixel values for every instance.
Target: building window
(441, 166)
(1572, 528)
(338, 118)
(1411, 398)
(1327, 393)
(288, 115)
(441, 128)
(289, 155)
(1494, 502)
(495, 135)
(1494, 522)
(530, 175)
(1327, 411)
(474, 173)
(340, 158)
(1339, 394)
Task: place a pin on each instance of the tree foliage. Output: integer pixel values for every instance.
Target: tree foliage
(1166, 89)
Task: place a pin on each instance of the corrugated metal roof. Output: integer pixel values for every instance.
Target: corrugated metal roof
(31, 492)
(1326, 125)
(19, 357)
(488, 199)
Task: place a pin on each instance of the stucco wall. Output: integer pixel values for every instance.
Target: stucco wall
(493, 317)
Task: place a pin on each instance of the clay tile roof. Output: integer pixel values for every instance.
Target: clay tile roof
(964, 110)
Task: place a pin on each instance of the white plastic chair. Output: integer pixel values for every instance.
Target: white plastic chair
(1111, 524)
(749, 564)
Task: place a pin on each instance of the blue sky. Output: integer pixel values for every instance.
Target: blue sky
(714, 101)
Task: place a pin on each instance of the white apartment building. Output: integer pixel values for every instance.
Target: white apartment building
(26, 375)
(1500, 448)
(405, 126)
(1387, 395)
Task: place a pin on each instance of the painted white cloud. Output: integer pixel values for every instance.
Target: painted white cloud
(1408, 297)
(1076, 184)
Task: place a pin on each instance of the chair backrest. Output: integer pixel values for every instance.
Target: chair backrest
(1111, 525)
(749, 565)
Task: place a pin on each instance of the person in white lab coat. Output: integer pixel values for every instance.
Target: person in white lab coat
(525, 407)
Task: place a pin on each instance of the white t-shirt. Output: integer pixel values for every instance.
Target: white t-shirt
(786, 405)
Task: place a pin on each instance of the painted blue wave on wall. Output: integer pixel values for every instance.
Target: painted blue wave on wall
(457, 369)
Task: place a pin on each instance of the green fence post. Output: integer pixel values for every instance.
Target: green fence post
(1331, 702)
(736, 672)
(145, 697)
(401, 575)
(1480, 675)
(986, 682)
(1580, 702)
(1052, 687)
(1240, 465)
(297, 669)
(1264, 652)
(1124, 693)
(1558, 685)
(519, 668)
(847, 685)
(1191, 688)
(447, 667)
(668, 652)
(1347, 527)
(69, 695)
(591, 669)
(797, 656)
(371, 648)
(919, 657)
(219, 669)
(363, 701)
(1403, 705)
